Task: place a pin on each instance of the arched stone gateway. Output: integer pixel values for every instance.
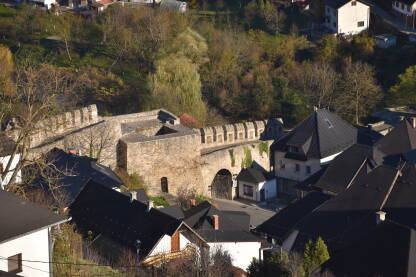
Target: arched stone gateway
(222, 185)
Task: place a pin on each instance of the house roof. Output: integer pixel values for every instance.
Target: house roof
(74, 171)
(407, 2)
(336, 4)
(320, 135)
(251, 175)
(282, 223)
(234, 226)
(174, 211)
(20, 217)
(346, 167)
(401, 139)
(7, 145)
(389, 250)
(7, 274)
(113, 214)
(140, 195)
(352, 212)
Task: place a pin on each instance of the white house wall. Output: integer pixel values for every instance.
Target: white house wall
(163, 246)
(349, 16)
(4, 161)
(183, 241)
(242, 253)
(33, 247)
(403, 9)
(289, 171)
(268, 186)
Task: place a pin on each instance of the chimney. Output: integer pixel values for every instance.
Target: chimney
(149, 205)
(215, 221)
(73, 151)
(413, 120)
(192, 202)
(380, 216)
(133, 195)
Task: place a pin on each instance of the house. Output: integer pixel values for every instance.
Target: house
(406, 9)
(100, 5)
(25, 236)
(346, 17)
(256, 185)
(385, 41)
(225, 230)
(7, 147)
(278, 227)
(45, 3)
(121, 223)
(389, 251)
(308, 147)
(71, 172)
(173, 5)
(385, 192)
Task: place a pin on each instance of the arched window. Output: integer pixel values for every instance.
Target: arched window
(164, 184)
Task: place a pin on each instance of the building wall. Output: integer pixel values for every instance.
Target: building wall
(215, 160)
(289, 170)
(403, 8)
(176, 158)
(4, 161)
(346, 18)
(163, 246)
(242, 253)
(268, 186)
(34, 247)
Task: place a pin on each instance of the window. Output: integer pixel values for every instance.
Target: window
(293, 149)
(282, 165)
(402, 6)
(328, 123)
(327, 9)
(354, 3)
(14, 263)
(397, 4)
(360, 24)
(408, 8)
(334, 24)
(297, 167)
(308, 169)
(248, 190)
(164, 184)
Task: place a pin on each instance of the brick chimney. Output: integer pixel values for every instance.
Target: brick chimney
(149, 205)
(215, 222)
(380, 216)
(192, 202)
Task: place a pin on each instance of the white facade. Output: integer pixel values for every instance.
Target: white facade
(242, 253)
(46, 3)
(32, 247)
(269, 187)
(403, 8)
(4, 161)
(350, 19)
(165, 244)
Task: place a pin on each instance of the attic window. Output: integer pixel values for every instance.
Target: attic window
(329, 123)
(354, 3)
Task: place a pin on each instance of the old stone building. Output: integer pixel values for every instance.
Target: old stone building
(157, 147)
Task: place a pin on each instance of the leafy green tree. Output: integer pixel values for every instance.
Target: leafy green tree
(327, 49)
(404, 92)
(273, 266)
(261, 4)
(315, 254)
(176, 86)
(362, 46)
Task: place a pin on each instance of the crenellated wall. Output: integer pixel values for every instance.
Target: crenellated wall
(223, 135)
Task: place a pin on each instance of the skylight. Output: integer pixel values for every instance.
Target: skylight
(329, 123)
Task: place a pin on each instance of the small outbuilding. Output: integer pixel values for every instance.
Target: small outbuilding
(254, 184)
(173, 5)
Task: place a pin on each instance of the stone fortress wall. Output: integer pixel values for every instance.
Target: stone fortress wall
(156, 146)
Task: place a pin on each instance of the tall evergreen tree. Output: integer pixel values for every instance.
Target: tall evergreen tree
(315, 254)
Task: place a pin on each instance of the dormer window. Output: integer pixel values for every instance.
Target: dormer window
(328, 123)
(293, 149)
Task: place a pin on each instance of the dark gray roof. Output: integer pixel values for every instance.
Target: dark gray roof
(336, 4)
(320, 135)
(140, 195)
(7, 274)
(113, 215)
(174, 211)
(282, 223)
(351, 213)
(346, 167)
(74, 171)
(19, 216)
(234, 226)
(251, 175)
(389, 251)
(401, 139)
(7, 145)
